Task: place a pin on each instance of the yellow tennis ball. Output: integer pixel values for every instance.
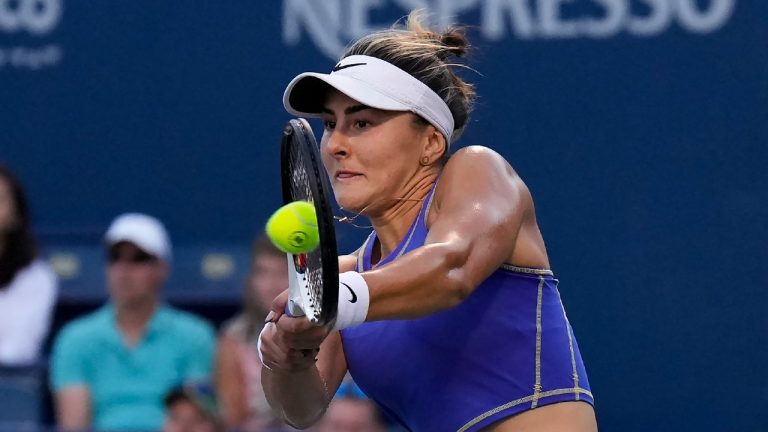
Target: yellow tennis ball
(293, 227)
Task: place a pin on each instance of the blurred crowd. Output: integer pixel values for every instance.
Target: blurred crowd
(138, 363)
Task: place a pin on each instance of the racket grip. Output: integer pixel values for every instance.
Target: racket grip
(293, 309)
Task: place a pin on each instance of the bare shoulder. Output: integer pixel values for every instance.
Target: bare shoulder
(474, 157)
(476, 169)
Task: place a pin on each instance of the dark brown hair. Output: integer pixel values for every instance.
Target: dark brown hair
(425, 54)
(18, 244)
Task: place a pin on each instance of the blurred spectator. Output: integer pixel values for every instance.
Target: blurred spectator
(192, 408)
(27, 284)
(112, 368)
(238, 368)
(351, 411)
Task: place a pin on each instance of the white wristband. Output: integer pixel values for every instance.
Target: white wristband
(258, 344)
(354, 299)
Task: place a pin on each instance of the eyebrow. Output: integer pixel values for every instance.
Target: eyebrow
(349, 110)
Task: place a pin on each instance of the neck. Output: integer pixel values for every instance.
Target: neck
(393, 222)
(133, 318)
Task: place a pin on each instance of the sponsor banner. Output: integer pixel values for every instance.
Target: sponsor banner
(30, 21)
(330, 24)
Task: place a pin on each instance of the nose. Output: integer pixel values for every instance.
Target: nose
(336, 144)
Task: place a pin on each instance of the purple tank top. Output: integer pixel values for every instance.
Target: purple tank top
(506, 349)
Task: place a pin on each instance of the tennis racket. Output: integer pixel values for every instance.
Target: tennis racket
(313, 277)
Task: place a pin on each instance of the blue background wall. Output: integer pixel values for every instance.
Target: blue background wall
(639, 125)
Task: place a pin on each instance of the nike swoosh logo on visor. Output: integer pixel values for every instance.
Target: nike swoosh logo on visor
(354, 296)
(339, 66)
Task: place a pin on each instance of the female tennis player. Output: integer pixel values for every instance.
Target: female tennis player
(449, 316)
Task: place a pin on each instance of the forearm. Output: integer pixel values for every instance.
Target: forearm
(73, 411)
(299, 398)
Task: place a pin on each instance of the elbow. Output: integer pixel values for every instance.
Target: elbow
(458, 284)
(303, 421)
(458, 289)
(301, 424)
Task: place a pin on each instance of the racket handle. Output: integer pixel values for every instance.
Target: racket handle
(293, 309)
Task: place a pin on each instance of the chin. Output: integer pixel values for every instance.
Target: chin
(350, 203)
(348, 199)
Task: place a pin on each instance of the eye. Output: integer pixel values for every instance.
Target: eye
(361, 124)
(329, 125)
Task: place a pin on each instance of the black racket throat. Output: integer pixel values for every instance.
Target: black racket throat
(303, 179)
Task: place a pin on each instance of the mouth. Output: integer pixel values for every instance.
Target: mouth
(346, 175)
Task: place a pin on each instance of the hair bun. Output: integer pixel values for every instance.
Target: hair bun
(455, 42)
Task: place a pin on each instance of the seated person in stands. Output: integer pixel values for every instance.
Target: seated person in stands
(351, 411)
(192, 408)
(111, 369)
(27, 284)
(238, 369)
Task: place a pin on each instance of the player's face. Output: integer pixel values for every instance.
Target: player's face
(371, 155)
(133, 275)
(7, 207)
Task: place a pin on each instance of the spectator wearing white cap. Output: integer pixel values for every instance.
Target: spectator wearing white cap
(111, 369)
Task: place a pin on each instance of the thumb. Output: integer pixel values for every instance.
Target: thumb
(277, 309)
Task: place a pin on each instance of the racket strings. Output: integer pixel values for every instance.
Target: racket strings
(301, 190)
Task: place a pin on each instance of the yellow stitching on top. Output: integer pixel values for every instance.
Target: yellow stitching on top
(536, 271)
(515, 402)
(570, 347)
(429, 204)
(360, 262)
(537, 385)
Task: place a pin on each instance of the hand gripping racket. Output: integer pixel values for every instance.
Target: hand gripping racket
(313, 277)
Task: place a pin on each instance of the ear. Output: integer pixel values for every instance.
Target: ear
(434, 146)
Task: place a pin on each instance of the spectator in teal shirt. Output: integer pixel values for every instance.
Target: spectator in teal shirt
(111, 369)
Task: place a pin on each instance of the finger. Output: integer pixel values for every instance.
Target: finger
(271, 351)
(298, 333)
(277, 309)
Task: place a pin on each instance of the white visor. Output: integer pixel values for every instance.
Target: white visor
(372, 82)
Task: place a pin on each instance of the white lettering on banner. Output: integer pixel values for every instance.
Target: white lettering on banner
(448, 10)
(39, 18)
(550, 23)
(322, 20)
(610, 24)
(31, 58)
(35, 16)
(492, 16)
(407, 5)
(655, 22)
(332, 23)
(703, 21)
(358, 20)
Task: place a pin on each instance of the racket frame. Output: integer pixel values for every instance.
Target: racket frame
(297, 132)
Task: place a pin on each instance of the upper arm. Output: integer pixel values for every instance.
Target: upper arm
(478, 210)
